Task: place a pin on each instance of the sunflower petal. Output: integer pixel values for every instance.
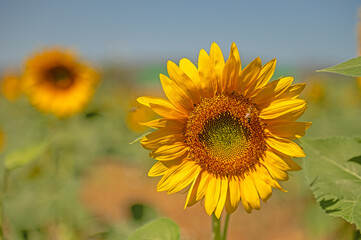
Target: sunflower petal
(272, 90)
(249, 75)
(217, 58)
(212, 195)
(178, 97)
(162, 107)
(192, 72)
(266, 73)
(191, 196)
(234, 191)
(285, 146)
(207, 74)
(250, 192)
(283, 107)
(184, 177)
(222, 197)
(230, 75)
(158, 169)
(264, 190)
(183, 81)
(293, 91)
(162, 123)
(289, 130)
(203, 184)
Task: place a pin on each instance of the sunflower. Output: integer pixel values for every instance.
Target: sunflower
(10, 86)
(56, 82)
(225, 132)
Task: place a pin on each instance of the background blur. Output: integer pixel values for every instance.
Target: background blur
(101, 190)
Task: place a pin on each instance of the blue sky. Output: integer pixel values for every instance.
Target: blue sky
(294, 32)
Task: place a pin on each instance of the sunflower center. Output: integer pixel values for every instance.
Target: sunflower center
(224, 137)
(60, 77)
(225, 134)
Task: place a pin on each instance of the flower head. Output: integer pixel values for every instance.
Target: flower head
(56, 82)
(10, 86)
(225, 131)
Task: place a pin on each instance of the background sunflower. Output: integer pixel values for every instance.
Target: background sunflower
(57, 82)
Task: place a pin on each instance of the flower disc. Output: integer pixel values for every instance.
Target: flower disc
(225, 135)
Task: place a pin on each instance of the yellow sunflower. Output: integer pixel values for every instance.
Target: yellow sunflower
(224, 131)
(58, 83)
(10, 86)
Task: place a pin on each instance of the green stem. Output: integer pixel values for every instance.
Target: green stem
(216, 226)
(2, 193)
(225, 228)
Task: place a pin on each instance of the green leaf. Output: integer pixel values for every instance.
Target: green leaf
(23, 156)
(333, 170)
(159, 229)
(351, 67)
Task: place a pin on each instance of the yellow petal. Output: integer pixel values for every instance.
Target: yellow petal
(230, 75)
(271, 91)
(203, 184)
(166, 140)
(191, 196)
(244, 201)
(264, 190)
(249, 75)
(177, 96)
(250, 192)
(169, 150)
(147, 100)
(222, 197)
(168, 112)
(280, 160)
(282, 107)
(164, 181)
(212, 194)
(183, 81)
(275, 172)
(285, 146)
(264, 174)
(290, 130)
(276, 159)
(266, 73)
(234, 191)
(183, 177)
(192, 72)
(156, 135)
(162, 107)
(217, 58)
(162, 123)
(292, 165)
(293, 91)
(158, 169)
(207, 74)
(234, 52)
(229, 208)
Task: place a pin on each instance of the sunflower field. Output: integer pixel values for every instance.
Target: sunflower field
(221, 144)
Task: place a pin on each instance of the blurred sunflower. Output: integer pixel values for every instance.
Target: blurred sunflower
(56, 82)
(316, 92)
(10, 86)
(224, 131)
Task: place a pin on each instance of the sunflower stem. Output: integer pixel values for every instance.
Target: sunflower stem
(216, 226)
(225, 227)
(2, 193)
